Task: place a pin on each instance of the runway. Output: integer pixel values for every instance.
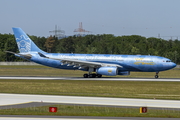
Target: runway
(24, 99)
(10, 99)
(95, 79)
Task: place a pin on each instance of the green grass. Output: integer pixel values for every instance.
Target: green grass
(126, 89)
(36, 70)
(76, 110)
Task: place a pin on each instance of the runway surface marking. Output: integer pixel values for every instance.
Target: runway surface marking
(9, 99)
(80, 78)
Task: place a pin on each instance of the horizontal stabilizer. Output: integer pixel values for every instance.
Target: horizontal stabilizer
(40, 54)
(27, 56)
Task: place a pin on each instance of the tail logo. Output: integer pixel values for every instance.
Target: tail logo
(24, 44)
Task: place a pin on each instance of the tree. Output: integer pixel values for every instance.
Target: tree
(49, 44)
(134, 50)
(66, 45)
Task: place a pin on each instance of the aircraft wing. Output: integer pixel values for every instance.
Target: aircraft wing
(81, 63)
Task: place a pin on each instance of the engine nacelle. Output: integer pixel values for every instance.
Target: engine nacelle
(123, 73)
(111, 71)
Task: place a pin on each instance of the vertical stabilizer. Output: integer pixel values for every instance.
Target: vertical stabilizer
(24, 43)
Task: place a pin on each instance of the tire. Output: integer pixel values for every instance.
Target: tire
(156, 76)
(93, 75)
(85, 75)
(99, 76)
(90, 75)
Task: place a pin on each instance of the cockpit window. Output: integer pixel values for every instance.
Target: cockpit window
(168, 61)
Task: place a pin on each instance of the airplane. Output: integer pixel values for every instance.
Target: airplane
(96, 64)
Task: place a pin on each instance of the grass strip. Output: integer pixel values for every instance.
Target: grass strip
(124, 89)
(76, 110)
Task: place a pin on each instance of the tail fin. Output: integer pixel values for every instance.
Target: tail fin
(25, 44)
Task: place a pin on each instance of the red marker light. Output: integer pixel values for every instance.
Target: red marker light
(52, 109)
(143, 109)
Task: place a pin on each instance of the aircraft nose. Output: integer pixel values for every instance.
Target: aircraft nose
(173, 65)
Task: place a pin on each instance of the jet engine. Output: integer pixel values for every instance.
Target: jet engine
(111, 71)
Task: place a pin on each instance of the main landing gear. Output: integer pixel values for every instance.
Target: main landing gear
(92, 75)
(156, 76)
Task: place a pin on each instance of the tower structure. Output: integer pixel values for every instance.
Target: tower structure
(58, 33)
(80, 31)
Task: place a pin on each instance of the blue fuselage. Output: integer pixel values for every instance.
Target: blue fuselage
(143, 63)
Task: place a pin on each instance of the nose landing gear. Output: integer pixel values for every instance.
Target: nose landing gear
(156, 76)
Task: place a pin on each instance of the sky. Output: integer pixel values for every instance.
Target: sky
(148, 18)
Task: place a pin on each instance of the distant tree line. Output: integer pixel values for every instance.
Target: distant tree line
(96, 44)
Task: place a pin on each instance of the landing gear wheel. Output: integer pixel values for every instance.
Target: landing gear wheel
(85, 75)
(156, 76)
(92, 75)
(99, 76)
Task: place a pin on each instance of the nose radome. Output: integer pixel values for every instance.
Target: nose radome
(173, 65)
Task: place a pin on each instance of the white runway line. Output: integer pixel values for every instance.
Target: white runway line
(100, 79)
(31, 78)
(9, 118)
(9, 99)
